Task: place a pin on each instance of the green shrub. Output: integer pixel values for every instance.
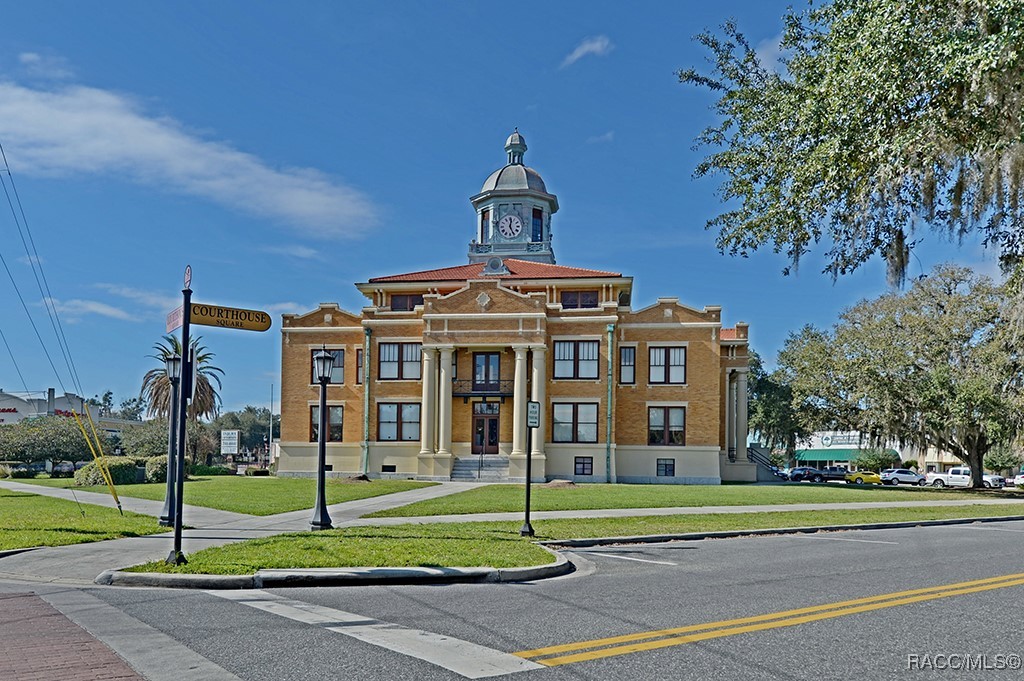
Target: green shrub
(5, 470)
(23, 473)
(257, 472)
(156, 469)
(122, 472)
(201, 470)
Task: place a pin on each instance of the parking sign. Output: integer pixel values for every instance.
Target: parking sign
(533, 414)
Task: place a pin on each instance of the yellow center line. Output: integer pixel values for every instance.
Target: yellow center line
(671, 637)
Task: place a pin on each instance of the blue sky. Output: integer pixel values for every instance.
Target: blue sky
(288, 150)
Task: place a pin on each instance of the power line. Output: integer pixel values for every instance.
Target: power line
(36, 263)
(28, 314)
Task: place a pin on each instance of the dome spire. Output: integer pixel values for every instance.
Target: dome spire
(515, 145)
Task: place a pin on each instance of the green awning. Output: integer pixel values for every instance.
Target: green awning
(831, 454)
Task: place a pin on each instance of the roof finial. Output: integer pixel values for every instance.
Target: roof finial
(515, 145)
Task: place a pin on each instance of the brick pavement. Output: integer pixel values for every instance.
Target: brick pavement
(41, 644)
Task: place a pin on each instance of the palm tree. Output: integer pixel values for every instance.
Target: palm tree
(156, 387)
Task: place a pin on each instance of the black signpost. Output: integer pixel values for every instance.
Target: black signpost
(532, 421)
(208, 315)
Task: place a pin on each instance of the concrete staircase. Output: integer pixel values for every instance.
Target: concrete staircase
(484, 468)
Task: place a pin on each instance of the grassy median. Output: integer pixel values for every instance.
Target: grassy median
(498, 544)
(509, 498)
(251, 495)
(28, 520)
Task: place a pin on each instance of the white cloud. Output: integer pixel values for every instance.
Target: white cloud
(30, 260)
(77, 130)
(45, 66)
(769, 52)
(294, 251)
(74, 310)
(599, 45)
(286, 308)
(152, 299)
(600, 139)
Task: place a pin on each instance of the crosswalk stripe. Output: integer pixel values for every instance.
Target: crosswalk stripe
(467, 659)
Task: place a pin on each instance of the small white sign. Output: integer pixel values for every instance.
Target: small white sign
(533, 414)
(229, 441)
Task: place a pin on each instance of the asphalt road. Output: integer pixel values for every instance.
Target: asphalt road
(629, 601)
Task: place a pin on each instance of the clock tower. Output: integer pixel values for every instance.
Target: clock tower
(513, 211)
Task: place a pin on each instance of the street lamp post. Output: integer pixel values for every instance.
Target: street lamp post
(323, 363)
(172, 365)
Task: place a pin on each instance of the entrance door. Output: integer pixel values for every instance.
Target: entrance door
(485, 427)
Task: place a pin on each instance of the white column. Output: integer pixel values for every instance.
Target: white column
(539, 380)
(519, 403)
(730, 411)
(427, 407)
(741, 415)
(444, 411)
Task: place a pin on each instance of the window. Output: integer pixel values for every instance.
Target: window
(666, 426)
(538, 225)
(455, 363)
(399, 361)
(574, 422)
(584, 465)
(359, 365)
(405, 302)
(486, 367)
(627, 365)
(398, 422)
(666, 467)
(485, 224)
(576, 359)
(335, 417)
(668, 365)
(579, 299)
(337, 371)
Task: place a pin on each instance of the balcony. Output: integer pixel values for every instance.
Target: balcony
(467, 388)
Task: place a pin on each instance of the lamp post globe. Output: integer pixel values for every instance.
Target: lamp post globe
(172, 366)
(323, 364)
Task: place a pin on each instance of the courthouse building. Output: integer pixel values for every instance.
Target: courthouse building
(432, 378)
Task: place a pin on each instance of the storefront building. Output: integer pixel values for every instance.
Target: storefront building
(432, 378)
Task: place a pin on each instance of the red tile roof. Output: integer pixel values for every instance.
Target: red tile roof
(728, 334)
(518, 269)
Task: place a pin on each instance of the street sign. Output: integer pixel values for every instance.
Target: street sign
(229, 441)
(229, 317)
(533, 414)
(175, 319)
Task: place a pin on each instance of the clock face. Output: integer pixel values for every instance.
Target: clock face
(510, 226)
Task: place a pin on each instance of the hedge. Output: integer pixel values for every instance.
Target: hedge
(156, 469)
(122, 472)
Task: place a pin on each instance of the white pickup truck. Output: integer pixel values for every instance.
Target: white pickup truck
(961, 477)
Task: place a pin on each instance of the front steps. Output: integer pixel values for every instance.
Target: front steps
(482, 468)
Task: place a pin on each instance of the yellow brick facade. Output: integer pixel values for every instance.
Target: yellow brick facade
(513, 317)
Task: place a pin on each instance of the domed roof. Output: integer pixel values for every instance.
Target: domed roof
(514, 176)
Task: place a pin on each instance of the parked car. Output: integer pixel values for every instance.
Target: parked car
(863, 478)
(781, 473)
(901, 476)
(806, 473)
(1018, 481)
(835, 472)
(960, 476)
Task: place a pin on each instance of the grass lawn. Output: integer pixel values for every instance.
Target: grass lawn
(251, 495)
(509, 498)
(499, 544)
(31, 520)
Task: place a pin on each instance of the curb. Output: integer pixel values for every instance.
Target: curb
(278, 579)
(729, 534)
(14, 552)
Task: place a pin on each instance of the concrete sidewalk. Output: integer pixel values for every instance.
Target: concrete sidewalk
(81, 563)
